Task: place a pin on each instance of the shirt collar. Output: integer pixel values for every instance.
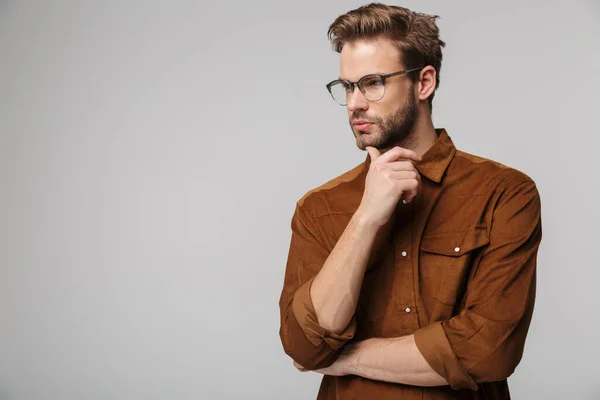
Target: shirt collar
(436, 159)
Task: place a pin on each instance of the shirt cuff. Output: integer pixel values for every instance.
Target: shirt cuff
(435, 347)
(306, 316)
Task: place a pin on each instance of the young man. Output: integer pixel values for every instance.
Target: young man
(412, 275)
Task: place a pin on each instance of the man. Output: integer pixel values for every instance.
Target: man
(412, 275)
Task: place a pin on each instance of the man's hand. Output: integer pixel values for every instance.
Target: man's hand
(391, 176)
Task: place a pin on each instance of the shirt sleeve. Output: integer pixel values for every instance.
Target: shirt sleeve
(485, 341)
(302, 337)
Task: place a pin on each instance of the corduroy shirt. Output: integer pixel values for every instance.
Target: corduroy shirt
(456, 267)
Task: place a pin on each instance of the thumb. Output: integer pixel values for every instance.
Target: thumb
(373, 153)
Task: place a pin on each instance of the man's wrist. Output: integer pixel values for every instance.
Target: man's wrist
(364, 222)
(351, 358)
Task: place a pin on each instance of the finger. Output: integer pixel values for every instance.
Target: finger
(401, 166)
(408, 198)
(403, 175)
(373, 153)
(399, 152)
(410, 194)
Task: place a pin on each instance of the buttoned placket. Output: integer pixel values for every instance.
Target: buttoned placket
(405, 308)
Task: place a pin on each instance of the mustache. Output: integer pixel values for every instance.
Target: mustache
(361, 115)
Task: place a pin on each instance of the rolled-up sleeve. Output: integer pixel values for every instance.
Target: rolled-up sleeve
(485, 341)
(302, 337)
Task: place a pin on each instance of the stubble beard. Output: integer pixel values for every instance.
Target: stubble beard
(396, 130)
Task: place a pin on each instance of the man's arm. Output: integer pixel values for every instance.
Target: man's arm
(396, 360)
(336, 288)
(485, 341)
(321, 288)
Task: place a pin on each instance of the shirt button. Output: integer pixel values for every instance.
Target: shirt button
(404, 254)
(457, 249)
(407, 309)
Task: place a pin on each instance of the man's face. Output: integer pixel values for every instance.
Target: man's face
(391, 120)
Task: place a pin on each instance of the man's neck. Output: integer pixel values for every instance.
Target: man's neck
(424, 136)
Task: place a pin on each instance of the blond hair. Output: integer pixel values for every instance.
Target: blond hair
(416, 35)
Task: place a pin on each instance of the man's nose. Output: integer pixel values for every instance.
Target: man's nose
(357, 100)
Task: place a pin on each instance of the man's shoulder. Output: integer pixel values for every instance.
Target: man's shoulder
(503, 176)
(338, 195)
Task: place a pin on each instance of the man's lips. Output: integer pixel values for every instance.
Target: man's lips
(361, 124)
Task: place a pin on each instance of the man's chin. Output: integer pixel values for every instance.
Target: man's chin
(364, 139)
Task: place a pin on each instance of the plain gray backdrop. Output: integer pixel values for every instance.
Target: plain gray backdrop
(151, 154)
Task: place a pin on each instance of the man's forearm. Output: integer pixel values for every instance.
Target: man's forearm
(395, 360)
(335, 289)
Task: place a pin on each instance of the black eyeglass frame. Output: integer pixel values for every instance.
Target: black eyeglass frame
(358, 84)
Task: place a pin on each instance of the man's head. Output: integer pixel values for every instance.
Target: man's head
(382, 39)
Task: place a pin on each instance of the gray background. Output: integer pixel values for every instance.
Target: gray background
(151, 154)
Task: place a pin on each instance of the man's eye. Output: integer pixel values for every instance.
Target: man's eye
(373, 83)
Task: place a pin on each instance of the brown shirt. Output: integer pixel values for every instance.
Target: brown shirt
(457, 269)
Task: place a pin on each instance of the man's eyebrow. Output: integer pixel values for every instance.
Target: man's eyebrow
(373, 73)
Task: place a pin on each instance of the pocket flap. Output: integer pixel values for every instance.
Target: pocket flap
(456, 243)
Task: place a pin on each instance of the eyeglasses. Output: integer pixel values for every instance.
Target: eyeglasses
(372, 86)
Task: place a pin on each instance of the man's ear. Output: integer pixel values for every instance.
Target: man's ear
(427, 82)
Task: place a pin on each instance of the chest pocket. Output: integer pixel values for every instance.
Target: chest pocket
(447, 258)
